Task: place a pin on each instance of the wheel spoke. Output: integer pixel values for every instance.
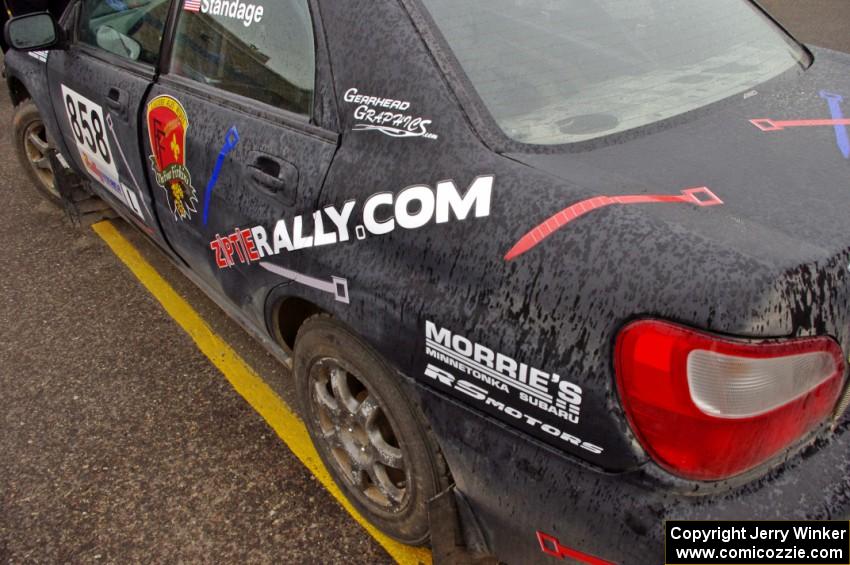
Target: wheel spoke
(367, 411)
(37, 142)
(384, 452)
(339, 384)
(325, 400)
(43, 164)
(392, 492)
(359, 477)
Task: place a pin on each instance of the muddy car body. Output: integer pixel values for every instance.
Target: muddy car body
(553, 300)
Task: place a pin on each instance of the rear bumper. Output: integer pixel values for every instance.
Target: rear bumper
(517, 487)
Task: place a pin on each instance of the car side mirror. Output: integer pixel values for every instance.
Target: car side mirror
(32, 32)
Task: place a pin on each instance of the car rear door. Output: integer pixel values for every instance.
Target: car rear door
(238, 139)
(98, 85)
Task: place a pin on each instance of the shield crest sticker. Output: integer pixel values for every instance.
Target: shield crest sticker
(167, 125)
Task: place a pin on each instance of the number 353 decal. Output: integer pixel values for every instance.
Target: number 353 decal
(89, 129)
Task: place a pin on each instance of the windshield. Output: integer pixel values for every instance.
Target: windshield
(561, 71)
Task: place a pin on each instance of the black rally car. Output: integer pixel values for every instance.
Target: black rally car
(551, 271)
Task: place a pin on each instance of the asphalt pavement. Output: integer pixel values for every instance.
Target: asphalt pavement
(119, 440)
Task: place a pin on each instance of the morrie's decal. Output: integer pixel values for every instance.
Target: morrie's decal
(542, 390)
(552, 547)
(39, 55)
(528, 398)
(337, 286)
(838, 122)
(382, 213)
(701, 196)
(231, 138)
(483, 396)
(167, 126)
(245, 12)
(388, 116)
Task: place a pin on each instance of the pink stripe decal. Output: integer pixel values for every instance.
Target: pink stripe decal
(701, 196)
(551, 546)
(766, 124)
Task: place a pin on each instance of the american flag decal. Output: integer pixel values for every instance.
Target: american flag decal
(192, 5)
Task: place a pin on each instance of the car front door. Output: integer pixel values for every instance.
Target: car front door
(97, 87)
(237, 139)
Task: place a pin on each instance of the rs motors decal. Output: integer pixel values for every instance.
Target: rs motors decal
(519, 393)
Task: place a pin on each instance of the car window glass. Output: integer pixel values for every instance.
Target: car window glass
(561, 71)
(262, 51)
(131, 29)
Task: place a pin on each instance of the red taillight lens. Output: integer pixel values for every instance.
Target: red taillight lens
(708, 408)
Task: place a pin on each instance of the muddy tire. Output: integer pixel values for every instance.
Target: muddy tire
(31, 145)
(372, 438)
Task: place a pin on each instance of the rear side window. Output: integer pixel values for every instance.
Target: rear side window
(562, 71)
(261, 51)
(131, 29)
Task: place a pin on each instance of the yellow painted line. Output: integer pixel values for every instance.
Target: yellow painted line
(247, 383)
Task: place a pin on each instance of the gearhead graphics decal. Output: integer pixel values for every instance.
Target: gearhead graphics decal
(701, 196)
(387, 116)
(499, 384)
(382, 213)
(167, 126)
(838, 122)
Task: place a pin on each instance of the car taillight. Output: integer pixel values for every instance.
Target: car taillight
(706, 407)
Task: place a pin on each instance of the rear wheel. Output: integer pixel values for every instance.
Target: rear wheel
(32, 145)
(372, 439)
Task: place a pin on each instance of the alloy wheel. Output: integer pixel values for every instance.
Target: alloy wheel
(36, 147)
(360, 437)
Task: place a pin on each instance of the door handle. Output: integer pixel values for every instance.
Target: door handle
(116, 99)
(273, 175)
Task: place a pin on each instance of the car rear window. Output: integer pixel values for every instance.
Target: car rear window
(562, 71)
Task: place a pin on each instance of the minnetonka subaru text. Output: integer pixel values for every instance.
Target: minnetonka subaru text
(547, 273)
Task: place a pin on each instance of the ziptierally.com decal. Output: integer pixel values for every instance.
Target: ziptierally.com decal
(500, 384)
(701, 196)
(167, 126)
(388, 116)
(838, 122)
(412, 208)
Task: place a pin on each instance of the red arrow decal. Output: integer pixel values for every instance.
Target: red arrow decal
(701, 196)
(766, 124)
